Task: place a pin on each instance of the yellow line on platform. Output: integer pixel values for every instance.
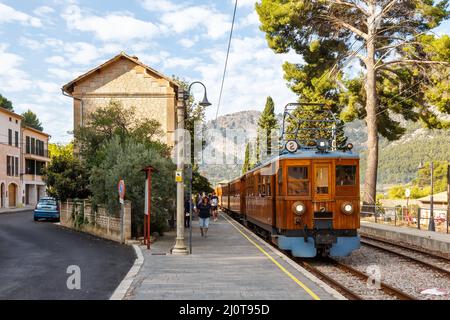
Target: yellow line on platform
(290, 275)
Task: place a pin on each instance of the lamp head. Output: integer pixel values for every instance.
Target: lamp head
(205, 102)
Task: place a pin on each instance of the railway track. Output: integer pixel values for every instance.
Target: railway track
(352, 283)
(435, 263)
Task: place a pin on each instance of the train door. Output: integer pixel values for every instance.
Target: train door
(323, 188)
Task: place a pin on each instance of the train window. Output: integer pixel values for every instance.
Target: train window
(345, 175)
(322, 180)
(298, 181)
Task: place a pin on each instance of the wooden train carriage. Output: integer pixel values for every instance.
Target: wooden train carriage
(308, 201)
(236, 197)
(225, 198)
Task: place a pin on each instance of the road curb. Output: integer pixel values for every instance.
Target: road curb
(16, 211)
(123, 287)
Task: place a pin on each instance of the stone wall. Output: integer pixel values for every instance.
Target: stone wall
(132, 85)
(98, 223)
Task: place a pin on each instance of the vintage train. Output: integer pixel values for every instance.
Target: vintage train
(306, 199)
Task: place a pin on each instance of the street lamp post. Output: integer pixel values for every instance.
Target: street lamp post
(431, 226)
(183, 96)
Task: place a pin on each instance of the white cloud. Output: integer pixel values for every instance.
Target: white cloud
(177, 62)
(254, 72)
(43, 11)
(160, 5)
(81, 52)
(187, 43)
(57, 60)
(215, 22)
(251, 19)
(9, 14)
(245, 3)
(12, 77)
(114, 26)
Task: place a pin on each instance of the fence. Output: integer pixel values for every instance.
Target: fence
(411, 216)
(80, 215)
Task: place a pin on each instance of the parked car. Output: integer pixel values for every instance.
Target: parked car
(46, 208)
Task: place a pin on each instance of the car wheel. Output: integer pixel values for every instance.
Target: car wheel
(36, 219)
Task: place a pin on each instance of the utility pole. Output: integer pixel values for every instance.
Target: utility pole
(431, 226)
(180, 247)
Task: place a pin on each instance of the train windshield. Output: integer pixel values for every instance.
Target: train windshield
(298, 181)
(345, 175)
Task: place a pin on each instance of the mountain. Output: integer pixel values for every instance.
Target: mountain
(398, 160)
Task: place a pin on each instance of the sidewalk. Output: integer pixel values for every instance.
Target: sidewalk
(229, 264)
(15, 210)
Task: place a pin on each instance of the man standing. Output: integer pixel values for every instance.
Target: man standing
(214, 205)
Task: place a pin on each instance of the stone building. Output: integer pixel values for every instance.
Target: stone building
(127, 80)
(23, 155)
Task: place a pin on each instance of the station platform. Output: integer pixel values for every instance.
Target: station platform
(433, 242)
(230, 264)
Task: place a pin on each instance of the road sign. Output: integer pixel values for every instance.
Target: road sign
(121, 189)
(179, 176)
(408, 192)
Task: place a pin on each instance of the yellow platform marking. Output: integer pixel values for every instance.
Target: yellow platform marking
(290, 275)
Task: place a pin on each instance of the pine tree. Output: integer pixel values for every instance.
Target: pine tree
(403, 68)
(5, 103)
(266, 124)
(246, 165)
(30, 119)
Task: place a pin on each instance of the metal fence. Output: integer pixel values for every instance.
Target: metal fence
(412, 216)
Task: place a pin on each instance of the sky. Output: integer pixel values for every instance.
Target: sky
(44, 44)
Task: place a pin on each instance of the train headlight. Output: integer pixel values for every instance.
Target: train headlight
(347, 208)
(299, 208)
(322, 144)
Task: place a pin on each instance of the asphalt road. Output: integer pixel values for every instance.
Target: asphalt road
(34, 257)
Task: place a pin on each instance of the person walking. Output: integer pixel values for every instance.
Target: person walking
(214, 205)
(204, 213)
(187, 212)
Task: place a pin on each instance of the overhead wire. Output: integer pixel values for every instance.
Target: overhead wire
(226, 59)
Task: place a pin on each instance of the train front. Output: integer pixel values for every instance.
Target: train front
(320, 203)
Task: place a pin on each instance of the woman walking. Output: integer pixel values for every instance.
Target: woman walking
(204, 213)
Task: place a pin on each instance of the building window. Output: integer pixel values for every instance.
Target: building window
(16, 139)
(17, 121)
(10, 137)
(30, 166)
(16, 166)
(33, 146)
(27, 145)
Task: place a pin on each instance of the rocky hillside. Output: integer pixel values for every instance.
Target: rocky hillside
(398, 159)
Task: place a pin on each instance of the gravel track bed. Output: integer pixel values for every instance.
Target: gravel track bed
(352, 282)
(401, 273)
(438, 262)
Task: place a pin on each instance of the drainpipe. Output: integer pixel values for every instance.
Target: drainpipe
(81, 100)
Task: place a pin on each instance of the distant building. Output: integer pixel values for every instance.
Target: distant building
(34, 158)
(23, 154)
(440, 201)
(127, 80)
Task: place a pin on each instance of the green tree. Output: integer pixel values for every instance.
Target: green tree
(57, 149)
(200, 183)
(111, 121)
(267, 123)
(246, 165)
(5, 103)
(124, 158)
(66, 176)
(397, 58)
(30, 119)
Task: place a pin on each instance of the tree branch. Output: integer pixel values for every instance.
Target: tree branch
(348, 26)
(351, 4)
(412, 61)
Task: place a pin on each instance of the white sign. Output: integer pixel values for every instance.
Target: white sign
(408, 192)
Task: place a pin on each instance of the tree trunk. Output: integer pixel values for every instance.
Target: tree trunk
(370, 184)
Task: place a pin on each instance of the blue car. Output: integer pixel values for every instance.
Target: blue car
(46, 208)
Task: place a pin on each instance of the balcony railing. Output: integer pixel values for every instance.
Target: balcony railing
(43, 153)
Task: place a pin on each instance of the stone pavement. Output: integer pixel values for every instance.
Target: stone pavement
(225, 265)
